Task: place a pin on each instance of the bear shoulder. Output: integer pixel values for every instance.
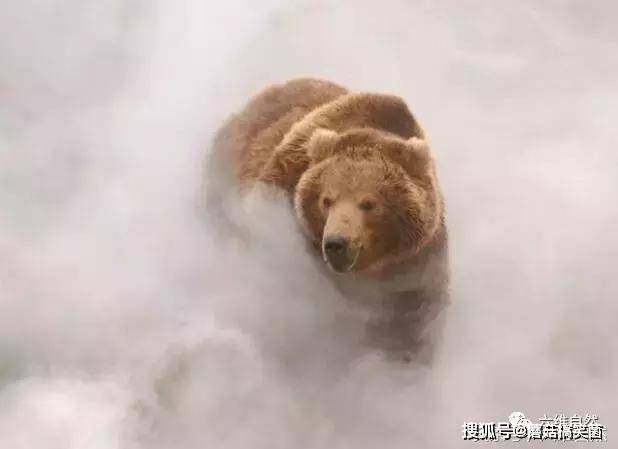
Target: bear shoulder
(387, 113)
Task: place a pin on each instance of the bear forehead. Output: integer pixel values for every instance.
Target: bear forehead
(367, 141)
(364, 136)
(355, 172)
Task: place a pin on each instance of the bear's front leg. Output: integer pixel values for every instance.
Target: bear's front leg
(410, 325)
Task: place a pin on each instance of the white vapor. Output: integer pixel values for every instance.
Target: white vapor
(123, 322)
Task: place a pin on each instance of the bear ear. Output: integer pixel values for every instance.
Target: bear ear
(413, 154)
(419, 148)
(321, 145)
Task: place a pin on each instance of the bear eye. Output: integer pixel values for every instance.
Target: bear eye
(327, 202)
(367, 205)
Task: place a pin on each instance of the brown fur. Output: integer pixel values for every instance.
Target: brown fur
(356, 165)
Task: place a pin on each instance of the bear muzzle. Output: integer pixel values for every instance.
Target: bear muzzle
(340, 255)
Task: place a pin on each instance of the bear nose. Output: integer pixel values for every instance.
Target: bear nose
(335, 246)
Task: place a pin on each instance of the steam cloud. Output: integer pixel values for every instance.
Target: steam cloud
(124, 324)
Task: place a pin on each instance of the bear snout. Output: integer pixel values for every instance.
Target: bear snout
(335, 245)
(337, 253)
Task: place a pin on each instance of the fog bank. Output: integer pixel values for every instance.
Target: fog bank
(125, 324)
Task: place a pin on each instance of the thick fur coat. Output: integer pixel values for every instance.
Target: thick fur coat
(361, 176)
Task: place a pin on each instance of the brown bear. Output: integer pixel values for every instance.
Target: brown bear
(361, 177)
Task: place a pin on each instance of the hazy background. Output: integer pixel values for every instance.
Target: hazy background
(124, 325)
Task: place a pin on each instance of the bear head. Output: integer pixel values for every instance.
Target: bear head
(368, 198)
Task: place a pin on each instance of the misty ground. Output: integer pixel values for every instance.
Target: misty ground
(123, 324)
